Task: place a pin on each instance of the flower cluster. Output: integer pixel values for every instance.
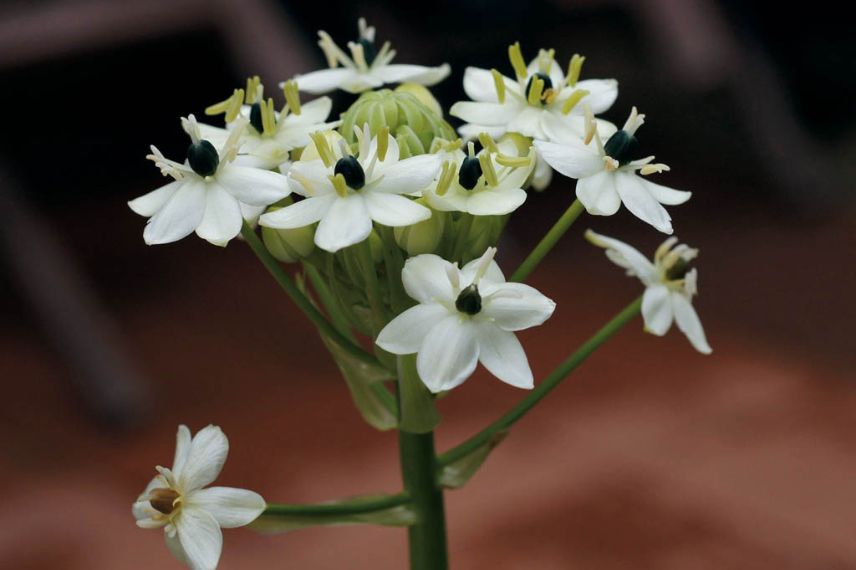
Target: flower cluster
(394, 216)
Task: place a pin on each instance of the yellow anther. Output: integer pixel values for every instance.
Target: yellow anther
(305, 182)
(340, 185)
(222, 106)
(499, 84)
(487, 142)
(359, 55)
(549, 96)
(575, 66)
(513, 161)
(323, 148)
(545, 60)
(610, 163)
(515, 55)
(591, 125)
(454, 145)
(292, 96)
(268, 117)
(253, 93)
(487, 169)
(654, 169)
(382, 143)
(572, 100)
(535, 91)
(447, 174)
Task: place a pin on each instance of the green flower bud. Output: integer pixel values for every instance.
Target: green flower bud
(484, 233)
(423, 94)
(423, 237)
(289, 246)
(412, 122)
(376, 245)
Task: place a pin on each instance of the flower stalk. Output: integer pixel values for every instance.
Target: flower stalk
(548, 242)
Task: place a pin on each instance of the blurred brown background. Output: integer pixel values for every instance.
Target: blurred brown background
(650, 456)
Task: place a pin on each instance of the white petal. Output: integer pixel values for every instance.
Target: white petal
(399, 73)
(495, 202)
(490, 114)
(528, 122)
(501, 353)
(557, 76)
(182, 448)
(602, 94)
(657, 309)
(516, 306)
(625, 256)
(200, 538)
(664, 194)
(405, 333)
(543, 173)
(469, 131)
(637, 199)
(449, 354)
(689, 323)
(208, 451)
(314, 174)
(148, 204)
(426, 280)
(479, 84)
(598, 194)
(229, 506)
(179, 216)
(346, 222)
(391, 210)
(409, 175)
(326, 80)
(222, 219)
(311, 112)
(493, 274)
(173, 544)
(299, 214)
(573, 159)
(253, 186)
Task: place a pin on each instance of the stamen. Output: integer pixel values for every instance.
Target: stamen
(484, 263)
(340, 185)
(305, 182)
(654, 169)
(366, 32)
(268, 118)
(664, 248)
(536, 87)
(487, 142)
(230, 147)
(515, 55)
(634, 121)
(575, 66)
(488, 169)
(254, 90)
(292, 96)
(382, 143)
(191, 127)
(572, 100)
(591, 126)
(358, 55)
(329, 48)
(513, 161)
(549, 96)
(228, 106)
(446, 174)
(499, 85)
(611, 163)
(323, 148)
(545, 60)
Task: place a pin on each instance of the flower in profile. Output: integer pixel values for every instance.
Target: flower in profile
(270, 136)
(210, 194)
(607, 174)
(190, 514)
(366, 68)
(543, 102)
(489, 183)
(670, 285)
(464, 316)
(346, 193)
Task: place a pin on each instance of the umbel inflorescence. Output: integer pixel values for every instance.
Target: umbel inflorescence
(391, 218)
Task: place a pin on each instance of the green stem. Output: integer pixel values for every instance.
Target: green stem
(354, 506)
(545, 387)
(300, 299)
(548, 241)
(426, 538)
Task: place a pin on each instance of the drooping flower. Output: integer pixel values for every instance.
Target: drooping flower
(542, 102)
(464, 316)
(270, 136)
(191, 515)
(346, 193)
(670, 285)
(607, 174)
(366, 68)
(210, 194)
(489, 183)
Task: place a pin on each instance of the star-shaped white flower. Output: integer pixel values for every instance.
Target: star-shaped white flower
(190, 514)
(542, 102)
(210, 194)
(270, 136)
(607, 174)
(489, 183)
(366, 68)
(346, 193)
(464, 316)
(669, 282)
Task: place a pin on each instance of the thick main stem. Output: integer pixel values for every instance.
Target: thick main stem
(427, 538)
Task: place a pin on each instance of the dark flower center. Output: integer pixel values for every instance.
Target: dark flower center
(256, 117)
(350, 169)
(469, 301)
(548, 83)
(203, 158)
(469, 173)
(623, 147)
(369, 50)
(679, 270)
(163, 500)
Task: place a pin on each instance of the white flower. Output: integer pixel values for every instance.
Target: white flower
(489, 183)
(271, 135)
(210, 194)
(190, 515)
(347, 193)
(464, 316)
(670, 285)
(607, 174)
(543, 102)
(366, 68)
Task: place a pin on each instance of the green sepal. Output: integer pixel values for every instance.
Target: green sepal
(401, 515)
(418, 412)
(457, 474)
